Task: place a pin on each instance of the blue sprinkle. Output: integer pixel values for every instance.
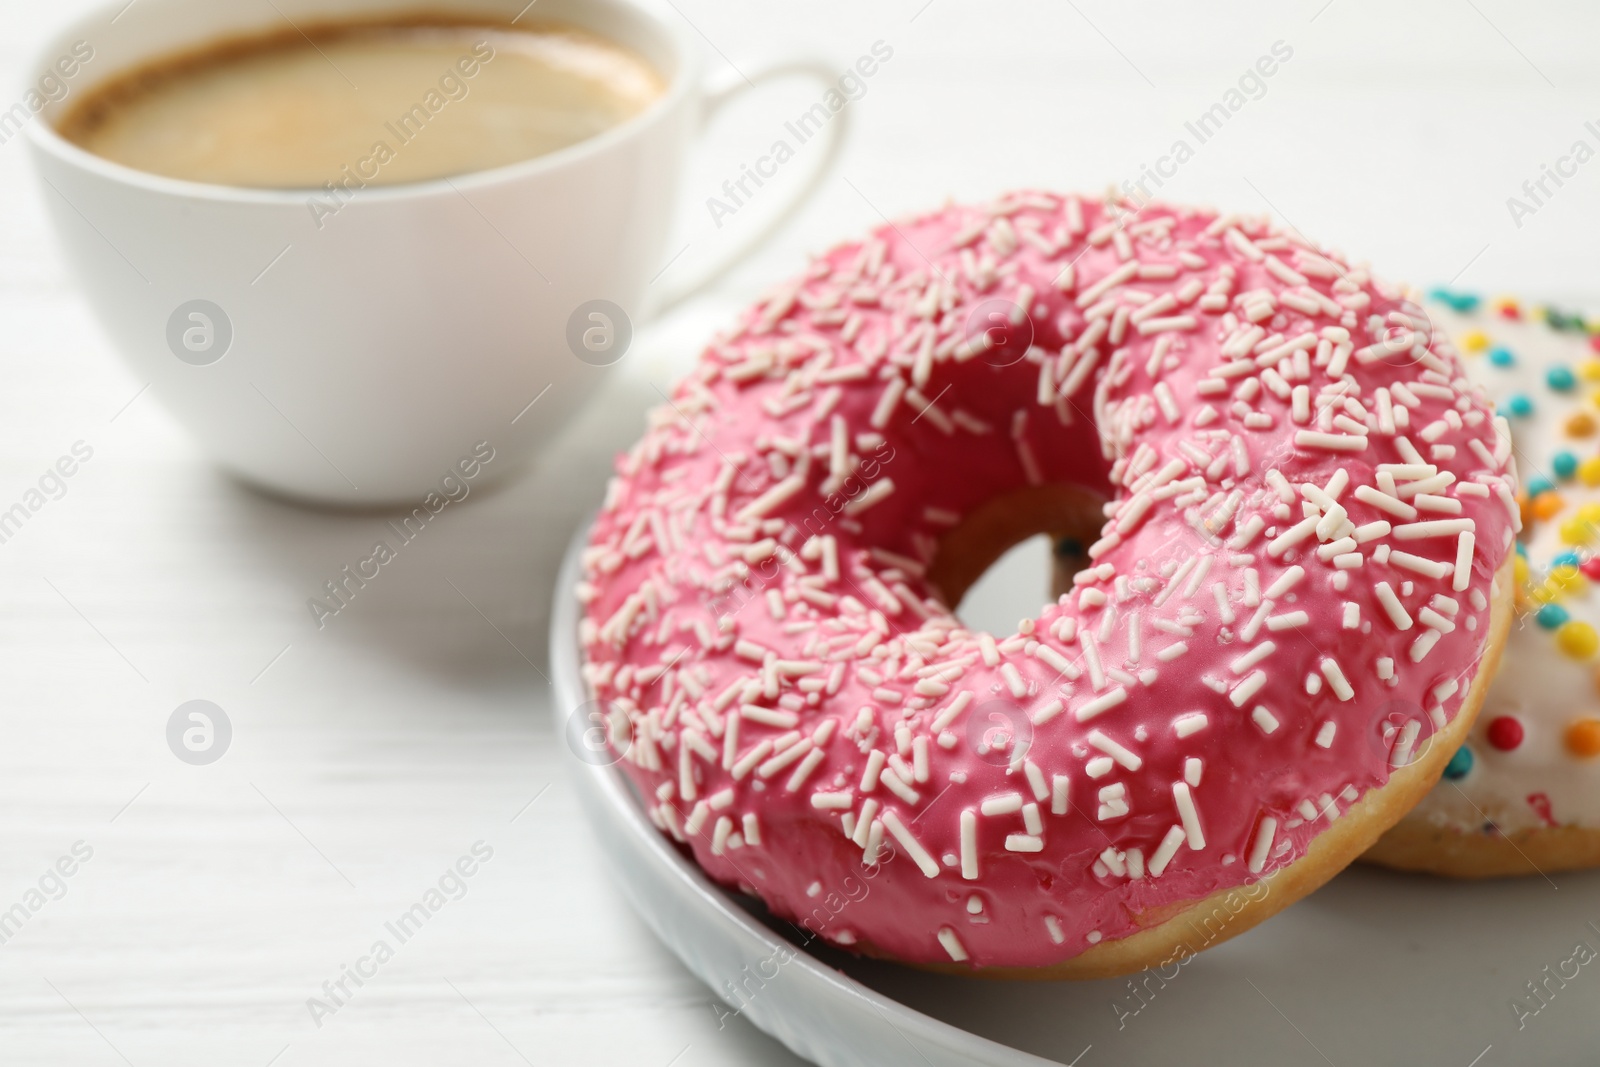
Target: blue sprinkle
(1501, 357)
(1560, 379)
(1462, 302)
(1539, 484)
(1519, 405)
(1566, 559)
(1551, 616)
(1522, 550)
(1565, 464)
(1460, 764)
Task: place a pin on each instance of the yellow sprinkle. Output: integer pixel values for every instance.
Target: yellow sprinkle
(1576, 532)
(1566, 578)
(1578, 639)
(1520, 571)
(1589, 470)
(1474, 340)
(1589, 370)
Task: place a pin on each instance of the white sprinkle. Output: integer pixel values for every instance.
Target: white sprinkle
(1101, 704)
(969, 845)
(1249, 659)
(1004, 804)
(1166, 850)
(1047, 711)
(952, 944)
(869, 778)
(1247, 688)
(1292, 536)
(1189, 814)
(1285, 582)
(802, 772)
(1013, 679)
(1263, 844)
(1392, 606)
(1424, 644)
(1413, 531)
(887, 402)
(1422, 565)
(1403, 746)
(1024, 843)
(1336, 679)
(1193, 722)
(832, 801)
(772, 499)
(913, 847)
(864, 822)
(1288, 620)
(1463, 567)
(1264, 719)
(1114, 750)
(874, 493)
(1332, 442)
(1325, 734)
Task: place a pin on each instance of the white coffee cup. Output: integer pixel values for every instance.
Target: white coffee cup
(354, 358)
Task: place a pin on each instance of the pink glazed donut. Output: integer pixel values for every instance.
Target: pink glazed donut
(1302, 509)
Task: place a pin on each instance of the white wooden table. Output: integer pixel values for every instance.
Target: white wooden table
(369, 756)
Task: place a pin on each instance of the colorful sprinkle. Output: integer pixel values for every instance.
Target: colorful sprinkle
(1501, 357)
(1562, 320)
(1507, 308)
(1462, 302)
(1560, 379)
(1589, 471)
(1474, 341)
(1577, 532)
(1580, 425)
(1589, 370)
(1505, 732)
(1578, 639)
(1519, 405)
(1460, 764)
(1551, 616)
(1583, 737)
(1564, 577)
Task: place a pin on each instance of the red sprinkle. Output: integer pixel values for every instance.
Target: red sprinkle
(1540, 803)
(1509, 311)
(1591, 568)
(1505, 732)
(1594, 341)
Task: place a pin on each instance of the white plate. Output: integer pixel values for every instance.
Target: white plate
(1376, 968)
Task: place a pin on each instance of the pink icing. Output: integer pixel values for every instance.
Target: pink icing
(798, 707)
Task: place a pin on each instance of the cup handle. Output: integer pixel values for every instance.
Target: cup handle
(717, 97)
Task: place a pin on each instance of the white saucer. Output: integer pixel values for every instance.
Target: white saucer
(1376, 968)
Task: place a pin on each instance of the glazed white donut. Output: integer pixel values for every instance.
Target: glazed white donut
(1523, 794)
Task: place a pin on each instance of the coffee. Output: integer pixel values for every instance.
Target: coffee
(385, 102)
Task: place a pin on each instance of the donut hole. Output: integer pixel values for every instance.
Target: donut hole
(1015, 552)
(1011, 589)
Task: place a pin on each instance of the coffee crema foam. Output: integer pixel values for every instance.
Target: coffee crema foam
(364, 104)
